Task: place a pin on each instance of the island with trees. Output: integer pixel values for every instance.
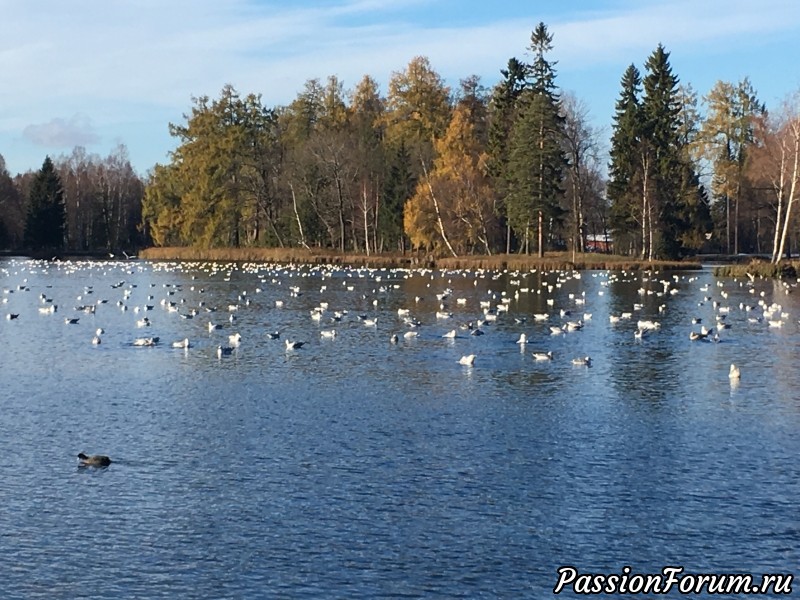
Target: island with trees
(517, 169)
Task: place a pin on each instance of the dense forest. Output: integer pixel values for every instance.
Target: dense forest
(517, 167)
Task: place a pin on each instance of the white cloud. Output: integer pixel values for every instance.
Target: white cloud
(60, 133)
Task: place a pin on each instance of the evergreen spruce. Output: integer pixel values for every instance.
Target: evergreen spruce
(46, 218)
(398, 188)
(625, 167)
(502, 113)
(679, 202)
(536, 159)
(658, 205)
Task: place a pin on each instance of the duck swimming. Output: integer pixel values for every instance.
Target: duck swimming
(95, 460)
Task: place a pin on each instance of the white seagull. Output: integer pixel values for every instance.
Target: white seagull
(467, 360)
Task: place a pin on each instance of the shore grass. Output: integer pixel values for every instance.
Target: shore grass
(760, 269)
(514, 262)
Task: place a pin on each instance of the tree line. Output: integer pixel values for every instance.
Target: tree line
(78, 203)
(515, 168)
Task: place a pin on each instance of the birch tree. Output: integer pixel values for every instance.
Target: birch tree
(778, 162)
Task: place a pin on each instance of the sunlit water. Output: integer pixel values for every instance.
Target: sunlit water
(357, 468)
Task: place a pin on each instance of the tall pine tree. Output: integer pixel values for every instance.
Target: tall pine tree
(659, 208)
(44, 226)
(624, 185)
(536, 159)
(677, 205)
(503, 108)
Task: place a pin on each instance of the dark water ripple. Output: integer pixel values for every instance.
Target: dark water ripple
(354, 468)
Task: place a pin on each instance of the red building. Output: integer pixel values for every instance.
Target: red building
(599, 243)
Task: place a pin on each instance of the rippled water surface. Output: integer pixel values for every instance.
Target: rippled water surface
(358, 468)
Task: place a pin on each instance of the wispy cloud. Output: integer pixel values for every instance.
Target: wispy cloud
(155, 53)
(60, 133)
(126, 63)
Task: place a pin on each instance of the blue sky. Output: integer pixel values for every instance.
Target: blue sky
(98, 73)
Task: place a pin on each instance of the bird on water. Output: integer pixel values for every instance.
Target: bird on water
(95, 460)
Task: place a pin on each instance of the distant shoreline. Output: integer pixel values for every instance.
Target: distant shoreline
(552, 261)
(724, 265)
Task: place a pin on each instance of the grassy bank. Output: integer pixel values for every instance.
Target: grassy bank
(553, 260)
(760, 269)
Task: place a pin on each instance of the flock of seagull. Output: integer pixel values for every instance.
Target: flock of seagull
(185, 301)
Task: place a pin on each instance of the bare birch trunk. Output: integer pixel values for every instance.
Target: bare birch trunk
(375, 222)
(779, 216)
(792, 192)
(647, 211)
(297, 216)
(644, 218)
(541, 234)
(436, 210)
(365, 209)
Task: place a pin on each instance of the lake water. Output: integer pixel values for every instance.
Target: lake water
(358, 468)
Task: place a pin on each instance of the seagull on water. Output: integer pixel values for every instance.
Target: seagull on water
(735, 373)
(543, 355)
(582, 361)
(467, 360)
(184, 343)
